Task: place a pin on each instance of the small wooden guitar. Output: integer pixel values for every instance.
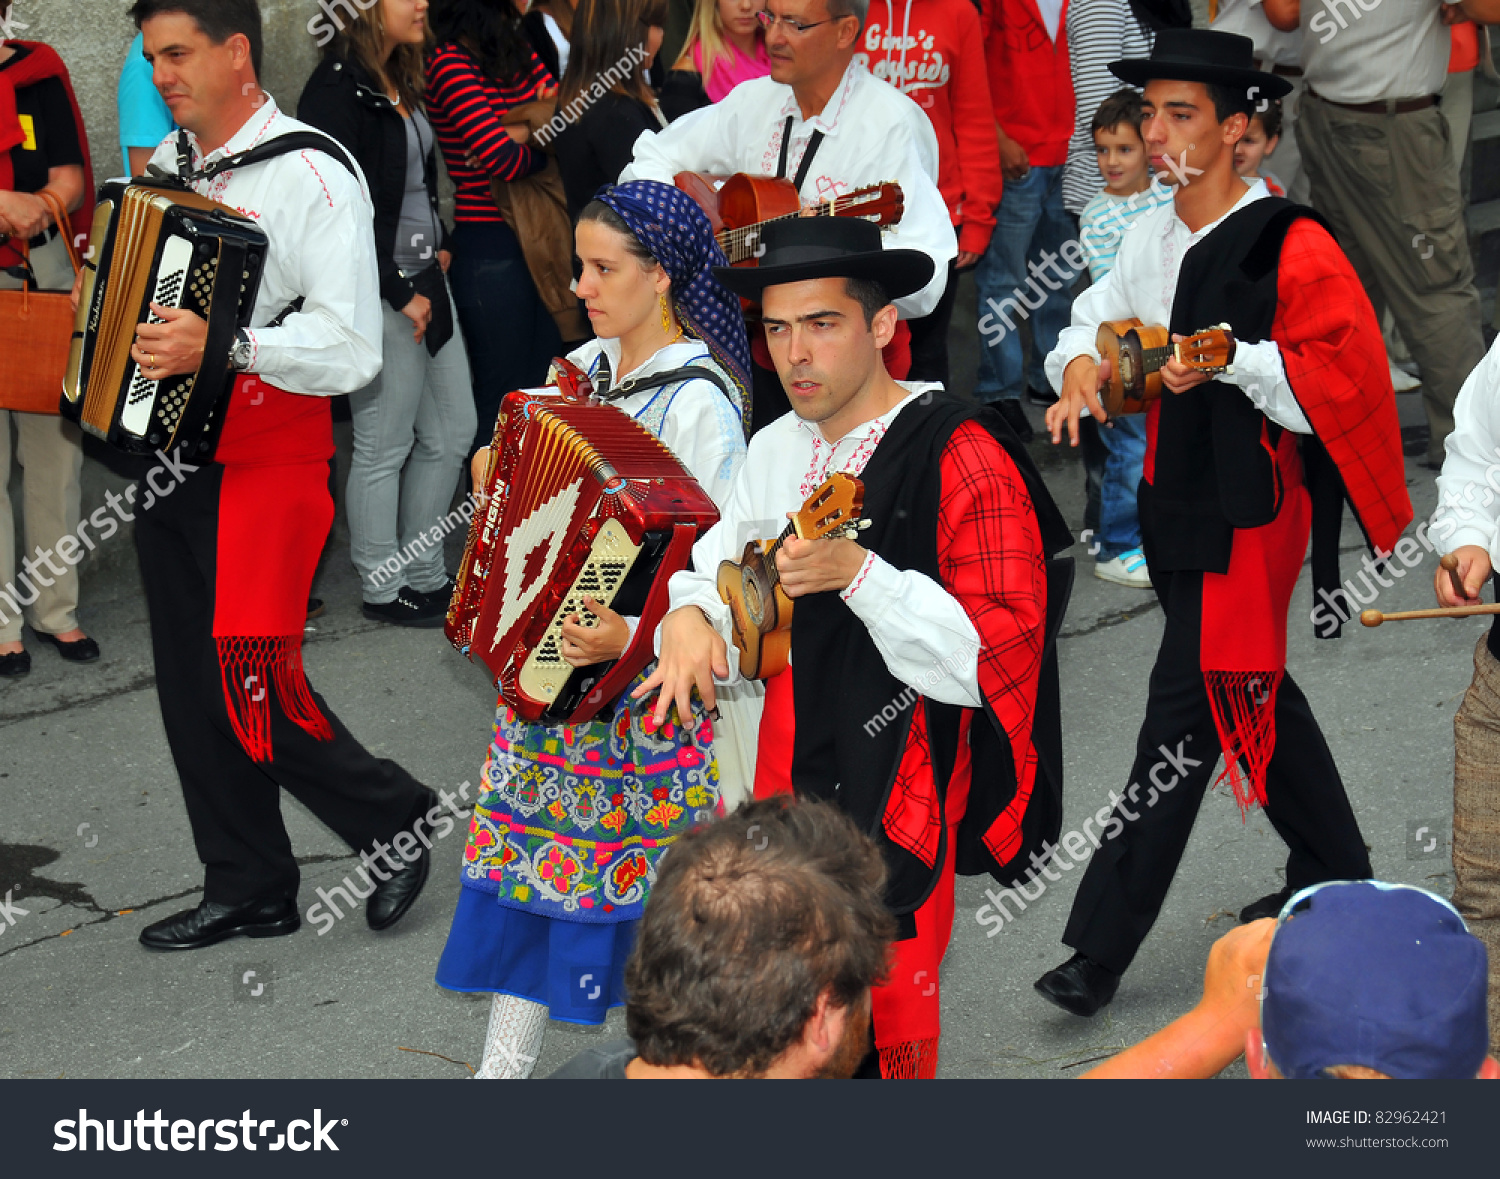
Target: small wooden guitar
(739, 205)
(1136, 352)
(759, 607)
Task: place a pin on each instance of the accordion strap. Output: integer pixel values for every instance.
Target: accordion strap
(688, 372)
(280, 146)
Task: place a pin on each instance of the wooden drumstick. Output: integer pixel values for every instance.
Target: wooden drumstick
(1375, 617)
(1449, 561)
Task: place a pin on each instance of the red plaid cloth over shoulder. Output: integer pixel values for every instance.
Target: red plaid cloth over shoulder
(990, 559)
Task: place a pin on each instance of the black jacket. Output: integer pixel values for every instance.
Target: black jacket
(594, 151)
(343, 100)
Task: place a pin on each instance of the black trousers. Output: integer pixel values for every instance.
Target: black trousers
(234, 803)
(929, 337)
(1127, 880)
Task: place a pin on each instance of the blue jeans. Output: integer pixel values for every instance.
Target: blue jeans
(1020, 278)
(1119, 515)
(511, 337)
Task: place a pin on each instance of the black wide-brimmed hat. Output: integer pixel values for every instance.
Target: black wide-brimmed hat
(802, 248)
(1203, 55)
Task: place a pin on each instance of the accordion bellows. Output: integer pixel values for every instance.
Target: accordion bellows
(174, 248)
(583, 500)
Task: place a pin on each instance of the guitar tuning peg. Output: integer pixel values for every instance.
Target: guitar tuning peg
(1229, 370)
(861, 525)
(1224, 327)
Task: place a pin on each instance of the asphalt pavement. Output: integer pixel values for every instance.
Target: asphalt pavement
(94, 844)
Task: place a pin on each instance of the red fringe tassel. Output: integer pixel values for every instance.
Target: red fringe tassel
(1244, 708)
(912, 1060)
(252, 667)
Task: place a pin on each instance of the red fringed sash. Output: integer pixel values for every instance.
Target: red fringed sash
(252, 669)
(1243, 644)
(274, 515)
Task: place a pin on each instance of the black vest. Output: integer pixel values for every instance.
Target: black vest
(1215, 467)
(842, 684)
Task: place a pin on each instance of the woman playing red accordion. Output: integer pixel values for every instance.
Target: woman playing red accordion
(572, 819)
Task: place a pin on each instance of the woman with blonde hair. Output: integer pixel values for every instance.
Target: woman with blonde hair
(413, 423)
(725, 46)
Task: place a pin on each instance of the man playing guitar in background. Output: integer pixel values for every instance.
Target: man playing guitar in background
(824, 122)
(920, 648)
(1229, 497)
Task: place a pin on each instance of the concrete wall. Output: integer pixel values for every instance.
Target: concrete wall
(92, 37)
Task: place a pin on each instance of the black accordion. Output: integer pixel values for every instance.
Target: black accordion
(169, 246)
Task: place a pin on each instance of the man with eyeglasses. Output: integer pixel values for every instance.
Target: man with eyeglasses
(1355, 980)
(824, 122)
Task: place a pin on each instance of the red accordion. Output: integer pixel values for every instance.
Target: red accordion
(583, 500)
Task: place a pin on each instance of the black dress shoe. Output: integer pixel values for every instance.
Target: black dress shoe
(1041, 397)
(409, 608)
(83, 650)
(1267, 906)
(212, 922)
(14, 664)
(394, 896)
(315, 608)
(1080, 985)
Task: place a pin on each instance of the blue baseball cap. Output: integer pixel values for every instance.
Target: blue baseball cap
(1380, 975)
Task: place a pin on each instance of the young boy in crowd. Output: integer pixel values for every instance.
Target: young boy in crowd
(1259, 144)
(1128, 192)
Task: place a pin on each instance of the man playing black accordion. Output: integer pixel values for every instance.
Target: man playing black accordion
(228, 556)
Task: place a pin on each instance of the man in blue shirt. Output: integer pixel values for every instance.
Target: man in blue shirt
(145, 119)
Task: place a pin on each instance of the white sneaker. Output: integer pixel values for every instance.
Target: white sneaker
(1129, 568)
(1403, 380)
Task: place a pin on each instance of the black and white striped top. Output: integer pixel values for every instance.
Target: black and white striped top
(1099, 32)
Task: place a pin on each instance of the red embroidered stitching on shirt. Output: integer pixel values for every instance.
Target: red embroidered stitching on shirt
(324, 184)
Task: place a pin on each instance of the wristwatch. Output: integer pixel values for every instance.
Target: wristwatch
(241, 351)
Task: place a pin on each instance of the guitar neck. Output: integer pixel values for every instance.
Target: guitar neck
(775, 547)
(739, 244)
(1154, 358)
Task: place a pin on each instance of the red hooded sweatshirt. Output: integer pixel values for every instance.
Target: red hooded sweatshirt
(933, 51)
(1030, 81)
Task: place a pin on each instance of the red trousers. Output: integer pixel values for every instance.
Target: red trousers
(906, 1006)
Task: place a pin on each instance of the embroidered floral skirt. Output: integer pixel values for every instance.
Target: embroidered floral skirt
(570, 826)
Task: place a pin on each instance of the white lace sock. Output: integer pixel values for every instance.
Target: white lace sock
(514, 1039)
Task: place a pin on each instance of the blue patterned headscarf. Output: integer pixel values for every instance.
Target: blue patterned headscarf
(670, 224)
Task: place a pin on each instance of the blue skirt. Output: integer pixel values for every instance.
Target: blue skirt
(576, 968)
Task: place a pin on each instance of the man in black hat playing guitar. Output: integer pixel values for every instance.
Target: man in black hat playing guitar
(1238, 470)
(922, 649)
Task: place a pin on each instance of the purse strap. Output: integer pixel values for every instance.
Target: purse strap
(64, 225)
(64, 228)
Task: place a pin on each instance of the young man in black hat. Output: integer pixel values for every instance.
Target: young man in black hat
(921, 649)
(1237, 469)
